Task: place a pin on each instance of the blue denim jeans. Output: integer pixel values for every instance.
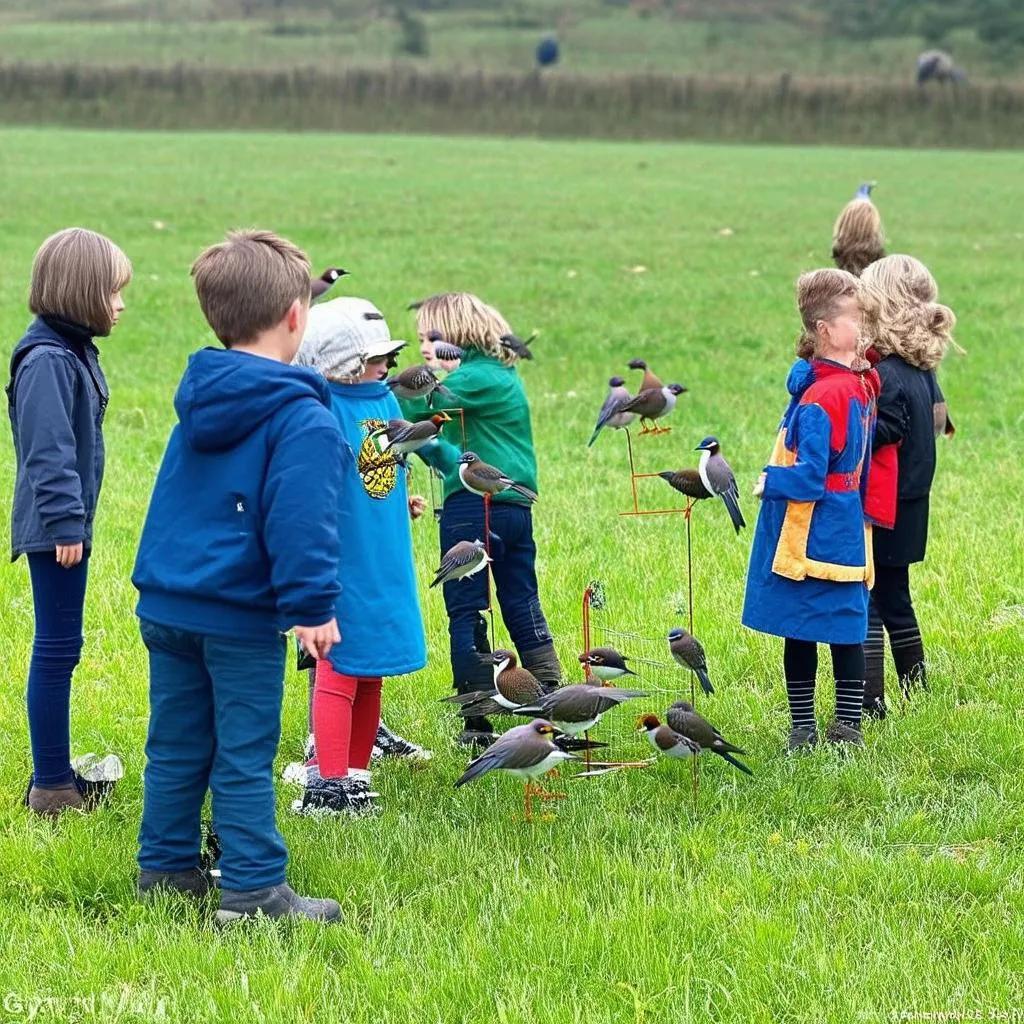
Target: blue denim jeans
(214, 723)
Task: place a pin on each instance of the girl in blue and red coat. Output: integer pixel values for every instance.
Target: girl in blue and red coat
(810, 565)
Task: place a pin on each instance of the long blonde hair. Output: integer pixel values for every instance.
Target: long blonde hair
(901, 313)
(464, 320)
(857, 238)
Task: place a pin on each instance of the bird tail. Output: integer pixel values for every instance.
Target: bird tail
(570, 744)
(735, 762)
(530, 496)
(462, 699)
(732, 503)
(723, 746)
(593, 436)
(705, 680)
(476, 768)
(531, 709)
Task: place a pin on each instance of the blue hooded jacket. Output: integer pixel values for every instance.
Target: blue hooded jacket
(241, 537)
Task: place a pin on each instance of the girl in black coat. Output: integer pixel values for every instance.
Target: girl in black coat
(911, 331)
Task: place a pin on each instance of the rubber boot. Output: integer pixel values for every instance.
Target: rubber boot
(544, 664)
(908, 654)
(874, 660)
(474, 671)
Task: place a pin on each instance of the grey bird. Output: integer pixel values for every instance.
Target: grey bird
(519, 348)
(652, 404)
(461, 561)
(401, 437)
(606, 663)
(689, 653)
(666, 740)
(578, 708)
(684, 720)
(717, 476)
(319, 286)
(611, 414)
(527, 752)
(418, 382)
(485, 480)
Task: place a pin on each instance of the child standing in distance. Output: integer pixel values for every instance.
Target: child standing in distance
(810, 565)
(377, 608)
(497, 423)
(240, 544)
(57, 398)
(910, 331)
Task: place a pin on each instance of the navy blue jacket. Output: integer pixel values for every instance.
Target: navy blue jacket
(56, 398)
(241, 537)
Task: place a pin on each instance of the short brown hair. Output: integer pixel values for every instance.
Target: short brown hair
(74, 274)
(818, 294)
(247, 283)
(464, 320)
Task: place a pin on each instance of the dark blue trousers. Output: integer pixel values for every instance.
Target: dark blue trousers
(58, 597)
(214, 723)
(514, 571)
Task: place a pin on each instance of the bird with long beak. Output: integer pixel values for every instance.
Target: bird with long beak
(461, 561)
(418, 382)
(652, 404)
(606, 663)
(666, 740)
(689, 653)
(651, 381)
(484, 480)
(519, 348)
(527, 752)
(578, 708)
(684, 720)
(319, 286)
(401, 437)
(610, 414)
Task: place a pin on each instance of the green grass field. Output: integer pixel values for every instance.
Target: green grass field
(826, 888)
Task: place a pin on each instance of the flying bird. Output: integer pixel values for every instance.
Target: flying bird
(652, 404)
(684, 720)
(578, 708)
(689, 653)
(418, 382)
(461, 561)
(319, 286)
(666, 740)
(519, 348)
(650, 381)
(401, 437)
(480, 478)
(527, 752)
(611, 414)
(606, 663)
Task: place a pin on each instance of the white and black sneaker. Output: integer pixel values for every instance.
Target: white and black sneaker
(295, 771)
(389, 744)
(350, 796)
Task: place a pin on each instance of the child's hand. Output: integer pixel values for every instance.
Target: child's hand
(69, 555)
(417, 506)
(318, 640)
(759, 486)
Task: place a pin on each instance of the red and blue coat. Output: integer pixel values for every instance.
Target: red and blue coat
(811, 561)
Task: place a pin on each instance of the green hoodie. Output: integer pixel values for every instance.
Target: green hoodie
(497, 418)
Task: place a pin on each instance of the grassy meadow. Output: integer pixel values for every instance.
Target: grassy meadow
(827, 888)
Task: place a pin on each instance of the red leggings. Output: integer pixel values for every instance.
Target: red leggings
(346, 712)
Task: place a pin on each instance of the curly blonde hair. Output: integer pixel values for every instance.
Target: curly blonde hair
(464, 320)
(901, 313)
(818, 294)
(857, 238)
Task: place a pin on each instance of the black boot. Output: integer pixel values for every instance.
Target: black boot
(473, 672)
(544, 664)
(874, 660)
(908, 654)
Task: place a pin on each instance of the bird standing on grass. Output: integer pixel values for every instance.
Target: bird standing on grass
(527, 752)
(606, 663)
(484, 480)
(713, 476)
(461, 561)
(689, 653)
(684, 720)
(319, 286)
(418, 382)
(514, 687)
(666, 740)
(610, 414)
(652, 404)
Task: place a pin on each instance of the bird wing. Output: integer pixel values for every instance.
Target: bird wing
(401, 431)
(520, 747)
(692, 725)
(608, 697)
(458, 557)
(613, 404)
(519, 685)
(447, 353)
(645, 403)
(688, 482)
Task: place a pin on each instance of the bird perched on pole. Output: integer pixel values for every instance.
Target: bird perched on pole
(652, 404)
(480, 478)
(418, 382)
(461, 561)
(606, 663)
(857, 237)
(688, 653)
(610, 414)
(650, 381)
(401, 437)
(527, 752)
(684, 720)
(319, 286)
(666, 740)
(712, 477)
(519, 348)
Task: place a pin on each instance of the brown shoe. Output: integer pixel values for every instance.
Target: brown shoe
(50, 801)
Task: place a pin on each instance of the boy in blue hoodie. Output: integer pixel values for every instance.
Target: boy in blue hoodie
(240, 544)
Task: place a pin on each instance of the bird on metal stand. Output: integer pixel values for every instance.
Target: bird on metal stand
(611, 414)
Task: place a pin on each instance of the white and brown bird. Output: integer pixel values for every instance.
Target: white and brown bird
(319, 286)
(578, 708)
(402, 437)
(652, 404)
(610, 414)
(418, 382)
(606, 663)
(684, 720)
(485, 480)
(688, 652)
(665, 740)
(527, 752)
(713, 477)
(461, 561)
(514, 687)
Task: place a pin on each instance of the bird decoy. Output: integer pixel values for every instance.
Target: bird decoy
(527, 752)
(666, 740)
(606, 663)
(319, 286)
(514, 687)
(650, 381)
(418, 382)
(547, 52)
(652, 404)
(484, 480)
(401, 437)
(712, 477)
(610, 414)
(682, 719)
(519, 348)
(578, 708)
(857, 236)
(461, 561)
(688, 653)
(444, 352)
(938, 66)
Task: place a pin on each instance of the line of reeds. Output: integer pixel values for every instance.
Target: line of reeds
(400, 98)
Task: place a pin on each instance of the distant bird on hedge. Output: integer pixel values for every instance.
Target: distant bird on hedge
(684, 720)
(484, 480)
(418, 382)
(666, 740)
(403, 437)
(319, 286)
(857, 237)
(606, 663)
(547, 52)
(461, 561)
(938, 66)
(688, 652)
(653, 404)
(712, 477)
(610, 414)
(517, 346)
(578, 708)
(650, 381)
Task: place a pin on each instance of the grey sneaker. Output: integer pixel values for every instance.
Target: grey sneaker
(52, 801)
(195, 882)
(275, 901)
(334, 798)
(801, 741)
(389, 744)
(841, 732)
